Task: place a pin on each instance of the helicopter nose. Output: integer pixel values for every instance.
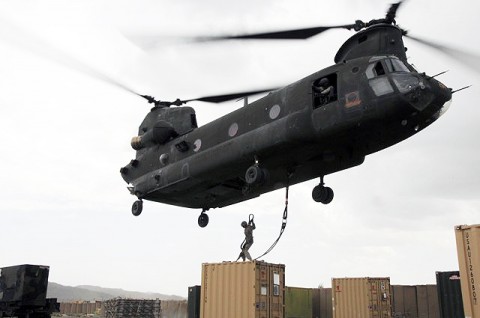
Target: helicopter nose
(443, 109)
(443, 97)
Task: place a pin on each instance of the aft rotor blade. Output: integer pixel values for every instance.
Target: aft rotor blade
(295, 34)
(36, 45)
(227, 97)
(471, 60)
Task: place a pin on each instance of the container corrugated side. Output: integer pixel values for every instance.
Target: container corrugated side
(242, 290)
(468, 250)
(298, 302)
(361, 297)
(427, 301)
(404, 301)
(322, 303)
(419, 301)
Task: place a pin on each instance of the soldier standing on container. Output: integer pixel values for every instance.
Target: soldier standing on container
(249, 227)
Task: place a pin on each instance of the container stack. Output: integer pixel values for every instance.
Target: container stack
(132, 308)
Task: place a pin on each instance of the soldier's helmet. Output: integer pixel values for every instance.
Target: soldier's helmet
(244, 224)
(324, 82)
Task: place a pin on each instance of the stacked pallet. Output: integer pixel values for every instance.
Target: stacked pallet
(132, 308)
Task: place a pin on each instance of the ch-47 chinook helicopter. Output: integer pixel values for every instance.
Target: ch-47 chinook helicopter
(296, 133)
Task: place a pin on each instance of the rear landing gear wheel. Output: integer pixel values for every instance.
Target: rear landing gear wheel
(203, 219)
(254, 175)
(322, 194)
(137, 207)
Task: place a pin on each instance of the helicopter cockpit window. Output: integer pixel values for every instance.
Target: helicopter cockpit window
(395, 65)
(375, 69)
(379, 83)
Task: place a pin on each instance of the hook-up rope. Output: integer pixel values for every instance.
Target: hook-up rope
(282, 229)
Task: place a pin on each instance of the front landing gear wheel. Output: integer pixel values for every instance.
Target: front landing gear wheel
(203, 219)
(137, 207)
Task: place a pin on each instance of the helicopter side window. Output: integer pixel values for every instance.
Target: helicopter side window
(324, 90)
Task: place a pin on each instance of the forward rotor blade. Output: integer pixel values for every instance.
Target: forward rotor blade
(392, 12)
(295, 34)
(471, 60)
(227, 97)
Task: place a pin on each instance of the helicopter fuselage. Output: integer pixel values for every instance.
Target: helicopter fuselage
(291, 135)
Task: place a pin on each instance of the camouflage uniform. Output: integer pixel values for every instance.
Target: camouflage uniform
(248, 240)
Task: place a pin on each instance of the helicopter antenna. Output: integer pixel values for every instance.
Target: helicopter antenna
(461, 89)
(441, 73)
(430, 77)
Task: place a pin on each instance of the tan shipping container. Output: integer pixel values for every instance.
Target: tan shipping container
(361, 297)
(468, 250)
(242, 290)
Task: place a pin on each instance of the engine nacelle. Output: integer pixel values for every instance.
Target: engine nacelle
(160, 133)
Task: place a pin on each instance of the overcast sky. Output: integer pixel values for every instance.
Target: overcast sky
(64, 136)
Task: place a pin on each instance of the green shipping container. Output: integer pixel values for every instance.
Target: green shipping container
(298, 302)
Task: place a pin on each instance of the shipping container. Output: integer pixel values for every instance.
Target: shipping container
(468, 250)
(404, 301)
(450, 294)
(420, 301)
(25, 285)
(194, 301)
(361, 297)
(242, 290)
(322, 303)
(427, 301)
(298, 302)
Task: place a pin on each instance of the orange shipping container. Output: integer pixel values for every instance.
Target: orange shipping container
(361, 297)
(468, 250)
(242, 290)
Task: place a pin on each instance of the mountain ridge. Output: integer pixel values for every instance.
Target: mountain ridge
(93, 293)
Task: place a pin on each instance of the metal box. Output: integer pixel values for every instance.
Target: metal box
(427, 301)
(420, 301)
(450, 295)
(194, 301)
(298, 302)
(468, 249)
(242, 290)
(24, 285)
(322, 303)
(361, 297)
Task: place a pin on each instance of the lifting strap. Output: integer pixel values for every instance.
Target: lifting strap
(282, 229)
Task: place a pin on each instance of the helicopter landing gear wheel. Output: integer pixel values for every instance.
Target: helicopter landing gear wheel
(203, 219)
(254, 175)
(137, 207)
(322, 194)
